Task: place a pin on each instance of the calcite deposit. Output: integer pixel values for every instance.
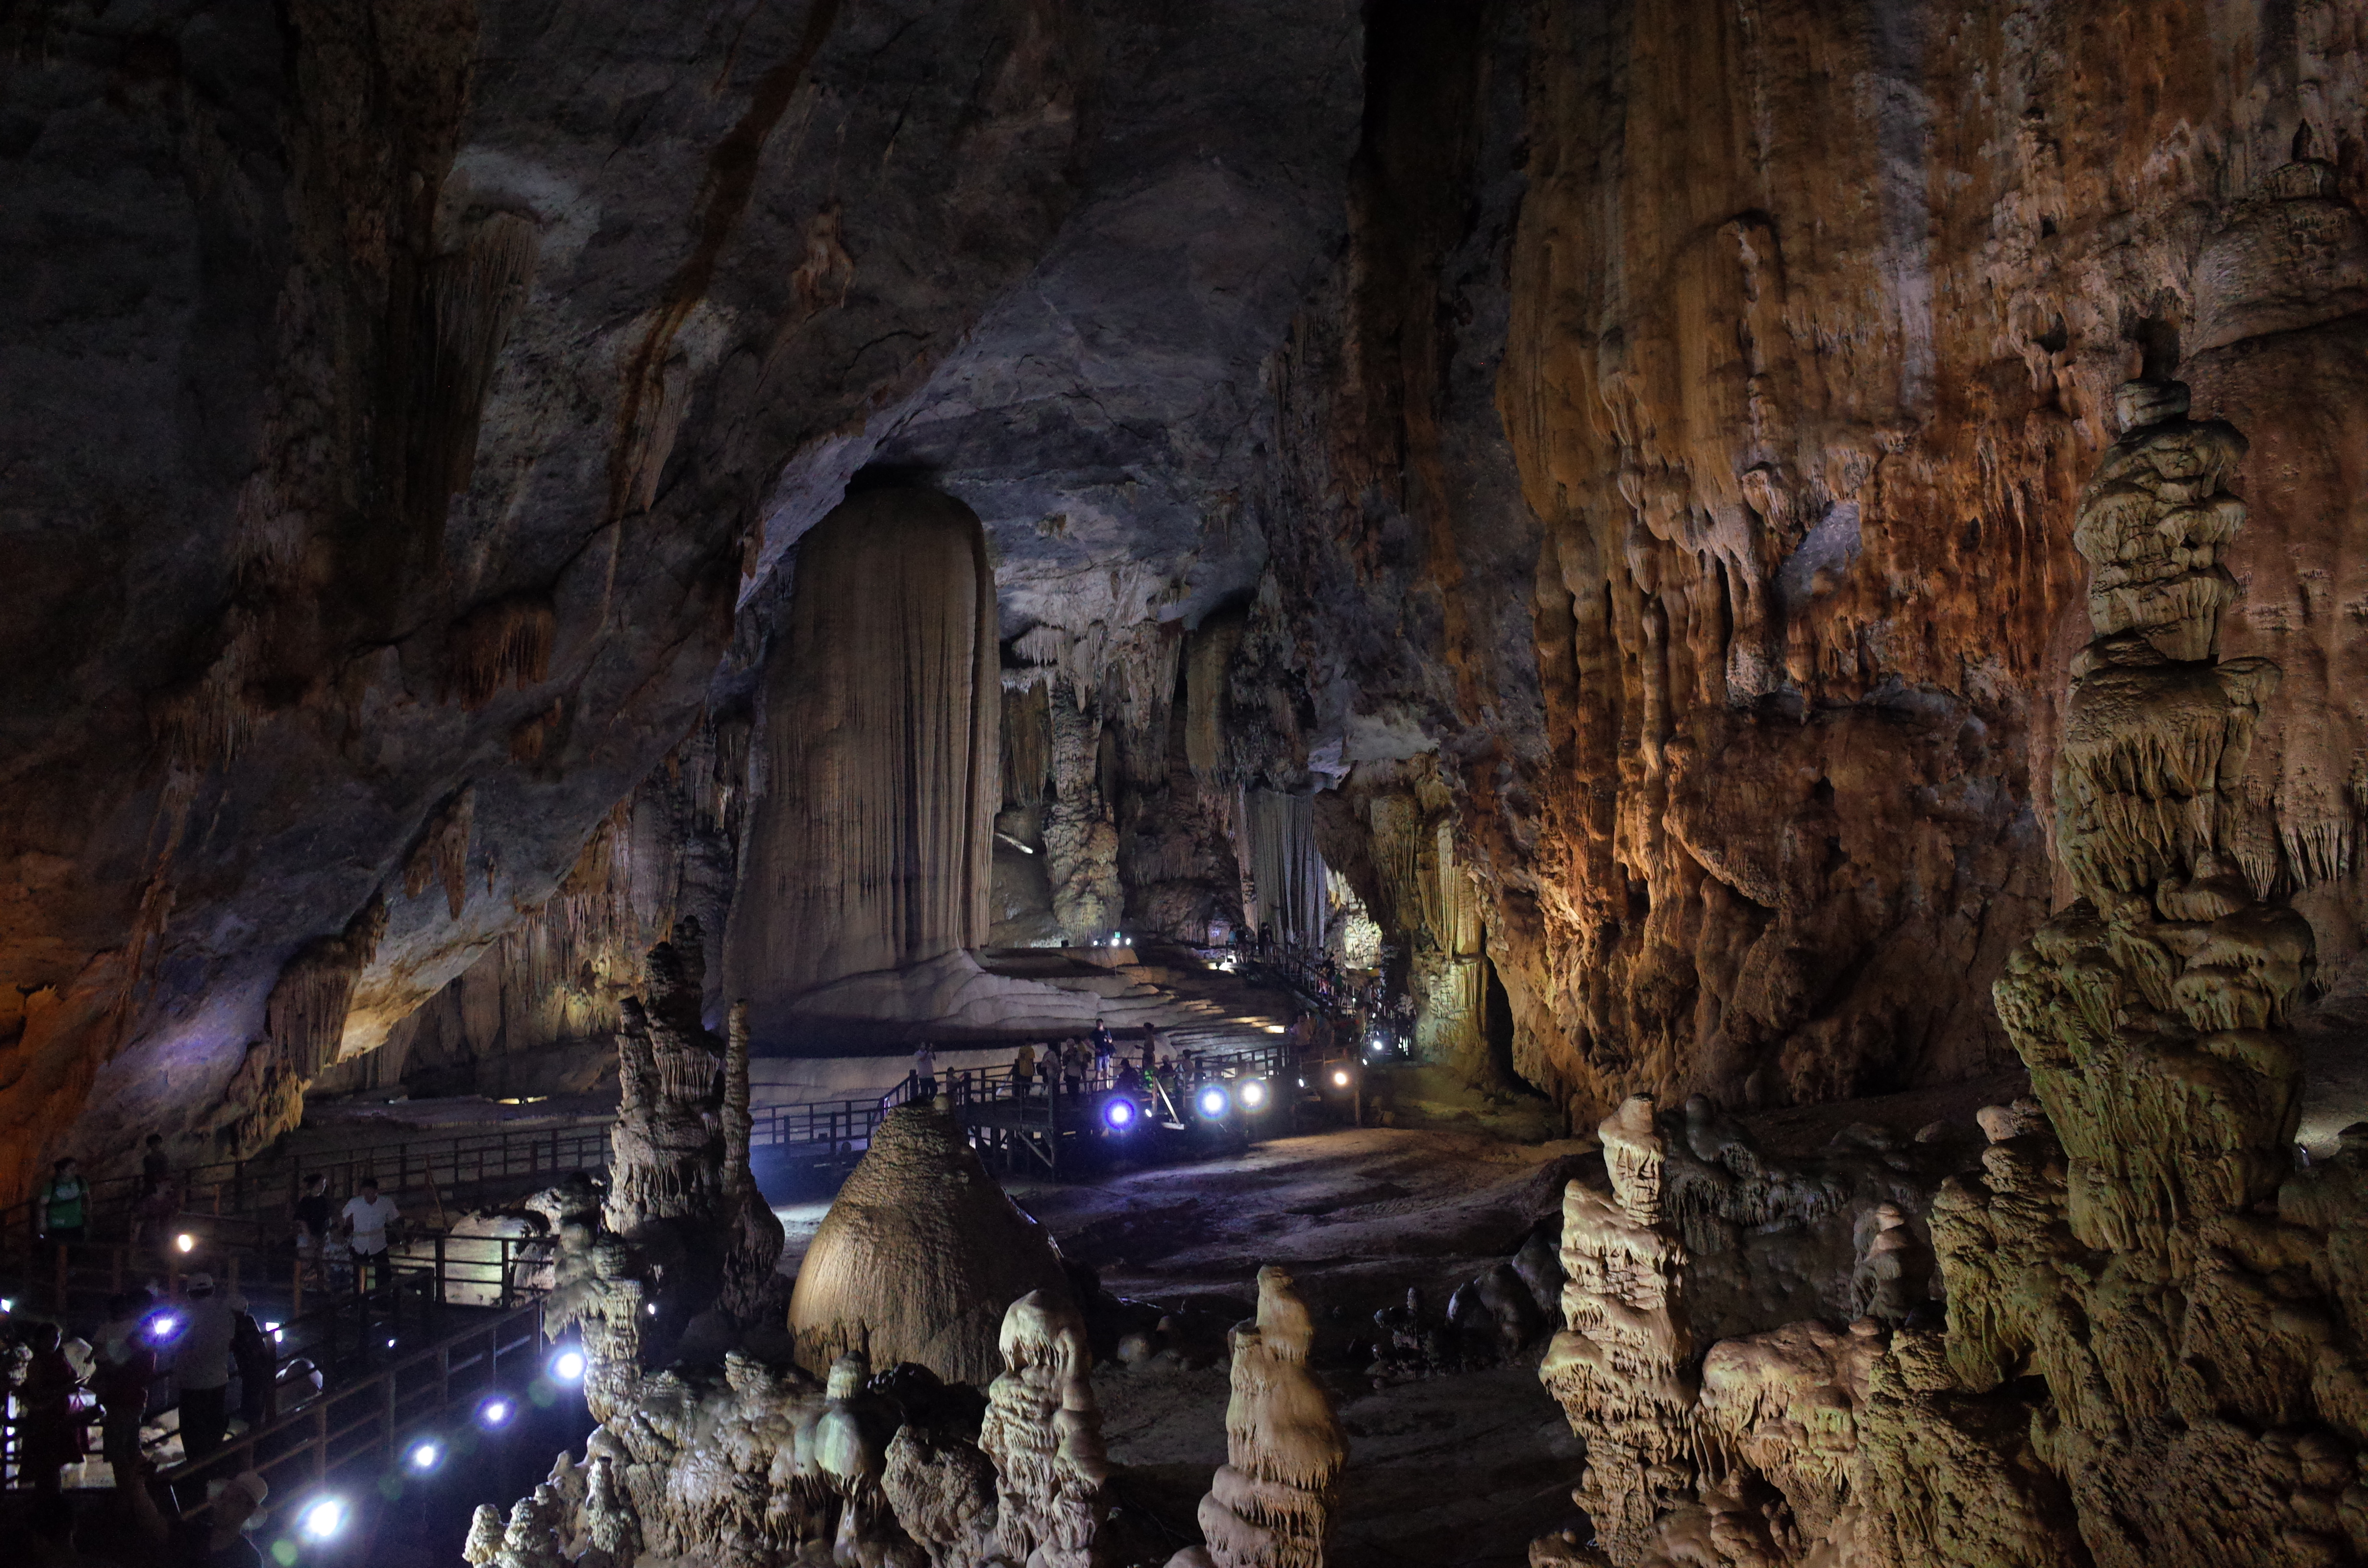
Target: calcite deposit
(920, 1255)
(1270, 1505)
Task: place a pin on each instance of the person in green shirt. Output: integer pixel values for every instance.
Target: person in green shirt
(65, 1204)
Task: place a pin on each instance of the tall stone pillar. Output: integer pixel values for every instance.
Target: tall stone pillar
(870, 844)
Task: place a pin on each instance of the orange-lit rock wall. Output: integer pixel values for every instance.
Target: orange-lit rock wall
(1702, 403)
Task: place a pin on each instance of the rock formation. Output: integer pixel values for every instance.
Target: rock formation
(1271, 1504)
(870, 844)
(2149, 1349)
(920, 1255)
(1043, 1435)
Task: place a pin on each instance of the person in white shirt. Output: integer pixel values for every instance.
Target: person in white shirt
(201, 1365)
(367, 1220)
(924, 1073)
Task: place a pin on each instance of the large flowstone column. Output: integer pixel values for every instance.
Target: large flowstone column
(870, 844)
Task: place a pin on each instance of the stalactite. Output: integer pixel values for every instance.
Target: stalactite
(306, 1015)
(441, 855)
(463, 305)
(1026, 741)
(502, 642)
(1283, 871)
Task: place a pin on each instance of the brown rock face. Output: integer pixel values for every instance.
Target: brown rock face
(1685, 442)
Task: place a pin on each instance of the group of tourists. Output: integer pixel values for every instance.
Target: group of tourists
(1075, 1066)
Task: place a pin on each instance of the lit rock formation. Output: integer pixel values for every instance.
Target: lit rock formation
(679, 1183)
(1271, 1504)
(1621, 1369)
(1042, 1433)
(919, 1255)
(870, 844)
(2152, 1347)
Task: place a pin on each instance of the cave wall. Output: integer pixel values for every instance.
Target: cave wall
(424, 388)
(1674, 458)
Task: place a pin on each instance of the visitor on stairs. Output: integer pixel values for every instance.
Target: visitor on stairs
(924, 1073)
(202, 1367)
(367, 1221)
(126, 1372)
(50, 1423)
(312, 1222)
(65, 1204)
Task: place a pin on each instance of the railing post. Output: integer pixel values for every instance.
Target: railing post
(321, 1440)
(64, 1268)
(441, 1295)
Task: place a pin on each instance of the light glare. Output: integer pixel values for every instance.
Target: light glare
(324, 1519)
(567, 1365)
(185, 1242)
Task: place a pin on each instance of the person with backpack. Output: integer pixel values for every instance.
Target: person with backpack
(65, 1204)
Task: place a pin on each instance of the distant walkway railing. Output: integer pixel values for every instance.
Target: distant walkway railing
(268, 1186)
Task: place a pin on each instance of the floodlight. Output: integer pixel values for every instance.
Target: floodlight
(324, 1519)
(1214, 1102)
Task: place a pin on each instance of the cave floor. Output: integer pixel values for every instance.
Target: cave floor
(1462, 1469)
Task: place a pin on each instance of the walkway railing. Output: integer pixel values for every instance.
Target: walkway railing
(268, 1185)
(369, 1420)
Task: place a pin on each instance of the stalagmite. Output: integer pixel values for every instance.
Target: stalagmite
(1620, 1369)
(1270, 1505)
(1044, 1433)
(918, 1256)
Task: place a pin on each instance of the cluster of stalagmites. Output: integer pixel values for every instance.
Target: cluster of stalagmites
(719, 1442)
(2153, 1349)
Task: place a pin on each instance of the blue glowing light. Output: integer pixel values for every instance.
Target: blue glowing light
(1214, 1101)
(1120, 1113)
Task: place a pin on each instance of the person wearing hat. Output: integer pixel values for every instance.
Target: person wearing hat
(202, 1367)
(216, 1537)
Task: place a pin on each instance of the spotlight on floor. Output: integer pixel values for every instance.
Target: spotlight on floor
(185, 1242)
(425, 1455)
(1119, 1114)
(495, 1411)
(1339, 1078)
(324, 1519)
(567, 1367)
(1253, 1094)
(1214, 1102)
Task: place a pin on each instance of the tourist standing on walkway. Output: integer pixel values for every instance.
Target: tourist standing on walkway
(1023, 1072)
(924, 1073)
(65, 1204)
(312, 1220)
(1073, 1066)
(202, 1367)
(52, 1427)
(1150, 1051)
(367, 1221)
(127, 1370)
(1102, 1047)
(156, 1166)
